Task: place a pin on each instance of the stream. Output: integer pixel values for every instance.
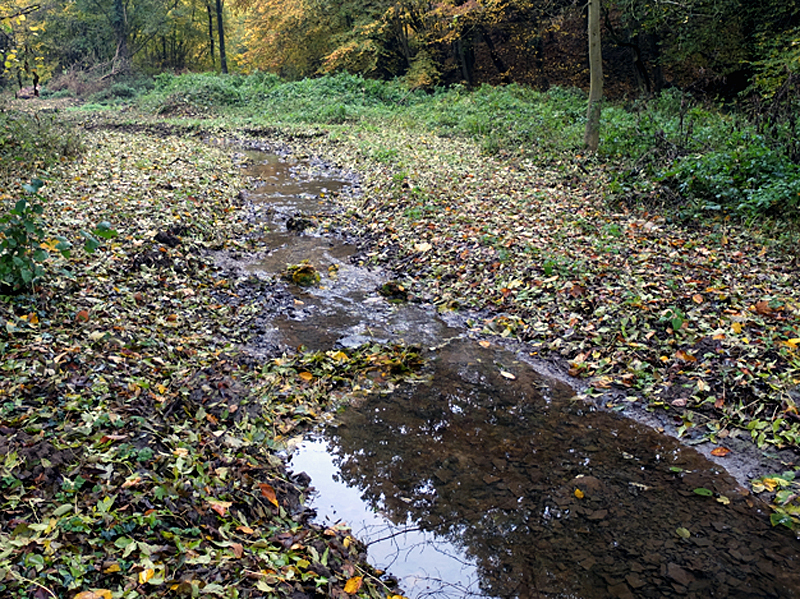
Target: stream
(490, 480)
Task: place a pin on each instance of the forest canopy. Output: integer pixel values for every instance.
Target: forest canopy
(716, 47)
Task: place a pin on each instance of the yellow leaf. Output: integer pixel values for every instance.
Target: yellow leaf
(352, 585)
(146, 575)
(770, 484)
(51, 245)
(306, 376)
(579, 494)
(341, 356)
(737, 327)
(112, 568)
(792, 343)
(98, 594)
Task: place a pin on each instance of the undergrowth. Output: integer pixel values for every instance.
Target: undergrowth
(704, 159)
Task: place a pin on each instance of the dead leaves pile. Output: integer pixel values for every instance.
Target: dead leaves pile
(138, 440)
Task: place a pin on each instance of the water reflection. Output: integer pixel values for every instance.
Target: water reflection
(550, 501)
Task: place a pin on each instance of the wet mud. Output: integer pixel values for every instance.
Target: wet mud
(491, 479)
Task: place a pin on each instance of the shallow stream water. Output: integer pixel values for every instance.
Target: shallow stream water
(489, 479)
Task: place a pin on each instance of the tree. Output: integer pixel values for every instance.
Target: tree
(223, 58)
(591, 137)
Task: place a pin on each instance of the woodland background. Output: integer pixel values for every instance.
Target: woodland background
(714, 47)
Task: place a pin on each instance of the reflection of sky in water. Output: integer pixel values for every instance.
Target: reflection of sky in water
(493, 467)
(423, 563)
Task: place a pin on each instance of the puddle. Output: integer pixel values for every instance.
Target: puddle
(490, 481)
(493, 468)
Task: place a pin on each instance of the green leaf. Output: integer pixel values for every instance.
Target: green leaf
(90, 243)
(104, 230)
(781, 518)
(34, 186)
(704, 492)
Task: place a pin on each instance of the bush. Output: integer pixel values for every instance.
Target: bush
(21, 238)
(24, 246)
(30, 142)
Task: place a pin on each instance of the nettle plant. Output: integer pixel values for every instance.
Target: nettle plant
(25, 246)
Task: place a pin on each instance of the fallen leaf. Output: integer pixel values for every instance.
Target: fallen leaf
(306, 376)
(146, 575)
(485, 344)
(268, 492)
(762, 307)
(98, 594)
(579, 494)
(697, 298)
(507, 375)
(352, 586)
(422, 247)
(238, 550)
(684, 356)
(82, 316)
(245, 529)
(221, 507)
(720, 451)
(131, 482)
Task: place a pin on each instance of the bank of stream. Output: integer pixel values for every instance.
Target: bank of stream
(490, 479)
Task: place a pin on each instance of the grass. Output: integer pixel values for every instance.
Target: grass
(698, 158)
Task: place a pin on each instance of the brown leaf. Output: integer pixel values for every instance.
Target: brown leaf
(686, 357)
(238, 550)
(221, 507)
(762, 308)
(720, 452)
(697, 298)
(82, 316)
(268, 492)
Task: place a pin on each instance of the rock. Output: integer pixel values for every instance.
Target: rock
(679, 575)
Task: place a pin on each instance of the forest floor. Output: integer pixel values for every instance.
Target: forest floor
(124, 379)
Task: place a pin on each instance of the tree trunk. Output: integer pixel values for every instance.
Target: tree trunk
(211, 35)
(466, 59)
(591, 137)
(502, 69)
(223, 59)
(119, 22)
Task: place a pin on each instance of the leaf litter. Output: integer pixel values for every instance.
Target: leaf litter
(141, 443)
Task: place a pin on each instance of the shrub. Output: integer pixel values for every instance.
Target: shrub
(24, 244)
(33, 141)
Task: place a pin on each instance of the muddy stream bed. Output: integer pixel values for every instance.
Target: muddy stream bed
(490, 479)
